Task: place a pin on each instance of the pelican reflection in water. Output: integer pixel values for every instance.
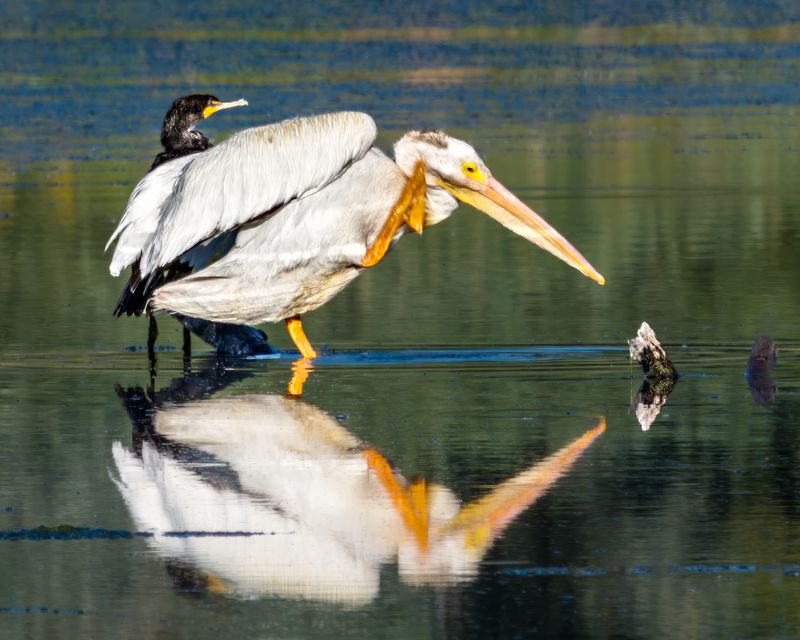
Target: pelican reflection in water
(312, 511)
(276, 220)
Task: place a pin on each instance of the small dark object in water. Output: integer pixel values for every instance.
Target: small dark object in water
(647, 351)
(660, 376)
(763, 357)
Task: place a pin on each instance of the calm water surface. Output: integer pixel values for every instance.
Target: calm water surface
(446, 473)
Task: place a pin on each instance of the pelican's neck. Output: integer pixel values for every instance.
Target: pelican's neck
(440, 204)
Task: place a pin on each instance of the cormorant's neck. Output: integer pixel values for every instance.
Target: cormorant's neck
(188, 140)
(182, 147)
(180, 143)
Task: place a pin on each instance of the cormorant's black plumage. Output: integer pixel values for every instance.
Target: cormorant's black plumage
(177, 133)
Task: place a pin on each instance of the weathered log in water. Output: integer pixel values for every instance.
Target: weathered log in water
(660, 376)
(647, 351)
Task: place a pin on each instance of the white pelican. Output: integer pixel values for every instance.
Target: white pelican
(278, 219)
(300, 508)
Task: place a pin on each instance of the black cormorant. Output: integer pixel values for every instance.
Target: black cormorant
(180, 138)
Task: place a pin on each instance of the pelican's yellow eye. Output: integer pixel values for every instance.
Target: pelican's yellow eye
(471, 170)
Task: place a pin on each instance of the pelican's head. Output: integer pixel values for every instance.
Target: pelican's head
(455, 167)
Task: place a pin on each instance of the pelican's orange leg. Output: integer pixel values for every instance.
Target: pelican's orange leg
(295, 328)
(409, 209)
(301, 368)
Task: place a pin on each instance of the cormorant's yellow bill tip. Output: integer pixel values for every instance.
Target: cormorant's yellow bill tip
(211, 109)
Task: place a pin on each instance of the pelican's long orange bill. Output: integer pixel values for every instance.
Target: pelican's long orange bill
(527, 223)
(502, 205)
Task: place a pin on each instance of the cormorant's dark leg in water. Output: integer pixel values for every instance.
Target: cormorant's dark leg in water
(152, 335)
(187, 351)
(228, 339)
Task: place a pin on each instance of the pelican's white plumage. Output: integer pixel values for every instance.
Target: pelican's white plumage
(264, 167)
(143, 213)
(190, 199)
(298, 259)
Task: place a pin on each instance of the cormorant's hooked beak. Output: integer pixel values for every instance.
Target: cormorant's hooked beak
(495, 200)
(211, 109)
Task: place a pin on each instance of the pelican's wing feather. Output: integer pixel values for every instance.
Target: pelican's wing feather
(140, 220)
(253, 172)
